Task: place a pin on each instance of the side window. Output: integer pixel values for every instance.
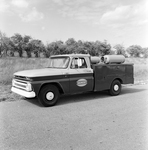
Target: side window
(83, 63)
(74, 63)
(78, 63)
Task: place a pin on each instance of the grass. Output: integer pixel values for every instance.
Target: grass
(10, 65)
(140, 69)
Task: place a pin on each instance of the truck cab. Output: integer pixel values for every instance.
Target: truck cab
(71, 74)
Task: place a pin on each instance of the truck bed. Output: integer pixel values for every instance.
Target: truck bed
(104, 74)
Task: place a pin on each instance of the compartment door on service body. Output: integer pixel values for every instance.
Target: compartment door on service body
(81, 77)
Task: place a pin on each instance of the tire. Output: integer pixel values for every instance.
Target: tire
(115, 88)
(49, 95)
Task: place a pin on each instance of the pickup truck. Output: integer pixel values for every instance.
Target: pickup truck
(72, 74)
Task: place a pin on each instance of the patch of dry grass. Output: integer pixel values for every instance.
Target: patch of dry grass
(140, 69)
(7, 95)
(8, 66)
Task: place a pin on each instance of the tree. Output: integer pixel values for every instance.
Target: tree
(71, 46)
(17, 40)
(120, 50)
(4, 44)
(70, 41)
(101, 48)
(27, 45)
(37, 47)
(90, 47)
(11, 48)
(81, 47)
(105, 48)
(145, 52)
(52, 48)
(61, 47)
(134, 50)
(86, 47)
(46, 51)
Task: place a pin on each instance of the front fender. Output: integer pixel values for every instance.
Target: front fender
(63, 85)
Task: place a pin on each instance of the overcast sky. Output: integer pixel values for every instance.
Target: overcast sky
(117, 21)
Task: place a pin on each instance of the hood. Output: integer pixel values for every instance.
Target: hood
(39, 72)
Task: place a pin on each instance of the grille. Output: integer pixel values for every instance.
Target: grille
(19, 84)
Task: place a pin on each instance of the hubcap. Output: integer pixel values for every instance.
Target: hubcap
(116, 87)
(49, 96)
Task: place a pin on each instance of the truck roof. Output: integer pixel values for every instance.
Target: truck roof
(71, 55)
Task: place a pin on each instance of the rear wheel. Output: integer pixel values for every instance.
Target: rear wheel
(48, 95)
(115, 88)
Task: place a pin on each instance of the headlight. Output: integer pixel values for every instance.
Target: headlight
(28, 87)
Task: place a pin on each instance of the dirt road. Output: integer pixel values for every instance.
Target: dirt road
(92, 121)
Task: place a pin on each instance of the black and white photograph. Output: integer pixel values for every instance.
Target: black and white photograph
(73, 74)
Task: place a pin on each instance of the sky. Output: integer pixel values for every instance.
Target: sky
(117, 21)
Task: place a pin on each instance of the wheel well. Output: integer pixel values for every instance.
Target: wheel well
(55, 84)
(118, 80)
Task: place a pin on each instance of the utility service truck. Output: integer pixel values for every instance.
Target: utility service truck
(72, 74)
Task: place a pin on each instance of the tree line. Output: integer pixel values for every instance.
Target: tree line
(20, 44)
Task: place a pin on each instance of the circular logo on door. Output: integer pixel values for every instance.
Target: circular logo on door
(81, 82)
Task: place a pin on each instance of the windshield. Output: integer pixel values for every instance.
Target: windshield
(58, 62)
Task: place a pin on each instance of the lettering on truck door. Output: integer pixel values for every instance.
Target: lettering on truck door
(81, 77)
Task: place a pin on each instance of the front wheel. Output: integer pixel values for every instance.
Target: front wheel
(48, 95)
(115, 88)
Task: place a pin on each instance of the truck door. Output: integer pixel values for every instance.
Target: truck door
(81, 76)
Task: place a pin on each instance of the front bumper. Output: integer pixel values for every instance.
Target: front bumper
(23, 93)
